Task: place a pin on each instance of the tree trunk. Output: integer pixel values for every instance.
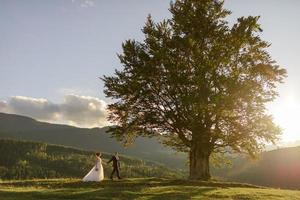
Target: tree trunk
(199, 163)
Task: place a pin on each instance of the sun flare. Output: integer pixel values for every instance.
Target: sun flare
(286, 115)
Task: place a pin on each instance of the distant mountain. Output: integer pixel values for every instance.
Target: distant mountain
(276, 168)
(96, 139)
(283, 144)
(26, 160)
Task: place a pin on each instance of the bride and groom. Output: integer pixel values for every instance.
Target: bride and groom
(97, 172)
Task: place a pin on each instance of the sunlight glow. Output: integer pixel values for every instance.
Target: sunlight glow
(286, 114)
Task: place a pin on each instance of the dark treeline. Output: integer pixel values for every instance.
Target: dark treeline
(26, 160)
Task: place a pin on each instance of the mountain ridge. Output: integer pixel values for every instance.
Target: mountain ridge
(26, 128)
(275, 168)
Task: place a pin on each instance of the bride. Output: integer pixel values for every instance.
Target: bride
(96, 173)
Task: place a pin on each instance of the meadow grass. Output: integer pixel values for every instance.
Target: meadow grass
(140, 189)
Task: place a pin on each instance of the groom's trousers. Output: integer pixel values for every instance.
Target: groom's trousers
(115, 169)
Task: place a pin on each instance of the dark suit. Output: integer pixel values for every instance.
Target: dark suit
(116, 166)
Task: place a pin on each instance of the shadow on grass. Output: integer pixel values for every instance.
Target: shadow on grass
(151, 182)
(103, 193)
(145, 189)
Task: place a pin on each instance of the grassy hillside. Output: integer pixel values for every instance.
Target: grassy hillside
(25, 128)
(138, 189)
(23, 160)
(277, 168)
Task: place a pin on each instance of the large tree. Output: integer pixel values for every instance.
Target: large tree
(198, 82)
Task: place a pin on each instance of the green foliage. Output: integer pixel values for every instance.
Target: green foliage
(24, 160)
(139, 189)
(197, 81)
(24, 128)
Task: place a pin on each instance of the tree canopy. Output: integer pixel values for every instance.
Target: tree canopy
(198, 83)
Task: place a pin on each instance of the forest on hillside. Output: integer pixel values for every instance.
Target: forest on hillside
(27, 160)
(24, 128)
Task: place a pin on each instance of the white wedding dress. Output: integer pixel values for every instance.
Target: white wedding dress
(95, 175)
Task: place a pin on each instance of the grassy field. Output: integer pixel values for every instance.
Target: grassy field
(141, 189)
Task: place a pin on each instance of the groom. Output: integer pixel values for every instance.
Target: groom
(116, 165)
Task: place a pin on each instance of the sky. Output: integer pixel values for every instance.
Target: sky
(52, 53)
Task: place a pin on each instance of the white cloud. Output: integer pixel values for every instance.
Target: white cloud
(82, 111)
(84, 3)
(87, 4)
(37, 108)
